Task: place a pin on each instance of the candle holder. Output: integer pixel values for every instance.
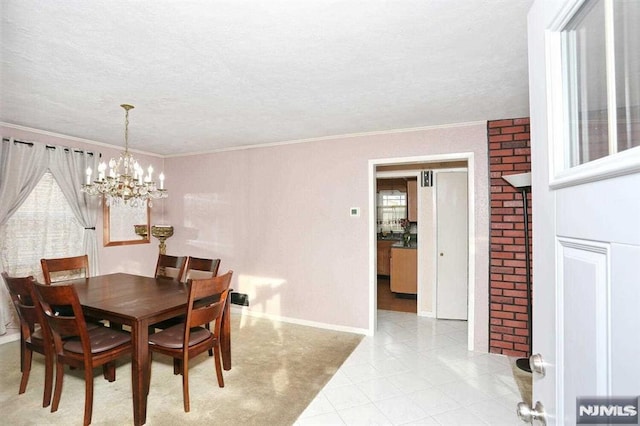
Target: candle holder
(162, 232)
(141, 230)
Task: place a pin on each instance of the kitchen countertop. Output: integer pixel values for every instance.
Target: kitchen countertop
(390, 238)
(400, 244)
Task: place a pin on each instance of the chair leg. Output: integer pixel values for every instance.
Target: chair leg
(23, 348)
(88, 395)
(109, 371)
(148, 384)
(48, 379)
(177, 366)
(58, 389)
(208, 327)
(216, 348)
(185, 385)
(26, 369)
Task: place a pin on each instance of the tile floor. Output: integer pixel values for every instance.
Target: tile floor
(417, 371)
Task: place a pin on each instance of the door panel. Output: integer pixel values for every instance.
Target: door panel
(452, 242)
(583, 332)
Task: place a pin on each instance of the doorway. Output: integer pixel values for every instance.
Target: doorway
(396, 245)
(411, 167)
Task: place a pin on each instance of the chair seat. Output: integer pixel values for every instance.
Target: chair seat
(172, 337)
(101, 339)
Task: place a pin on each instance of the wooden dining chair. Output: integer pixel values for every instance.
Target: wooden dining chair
(68, 268)
(76, 345)
(34, 332)
(65, 268)
(206, 301)
(170, 266)
(198, 268)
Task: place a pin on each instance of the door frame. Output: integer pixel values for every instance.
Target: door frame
(469, 157)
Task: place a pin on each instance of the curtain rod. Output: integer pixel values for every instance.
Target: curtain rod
(79, 151)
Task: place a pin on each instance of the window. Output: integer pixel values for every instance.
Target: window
(601, 63)
(392, 207)
(44, 226)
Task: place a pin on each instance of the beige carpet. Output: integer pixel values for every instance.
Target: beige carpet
(278, 369)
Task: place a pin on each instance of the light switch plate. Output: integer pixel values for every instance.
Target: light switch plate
(354, 211)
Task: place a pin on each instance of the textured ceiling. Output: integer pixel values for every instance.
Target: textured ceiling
(206, 75)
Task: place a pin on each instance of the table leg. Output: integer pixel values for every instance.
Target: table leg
(140, 371)
(225, 341)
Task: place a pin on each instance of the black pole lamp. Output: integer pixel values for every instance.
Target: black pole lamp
(522, 182)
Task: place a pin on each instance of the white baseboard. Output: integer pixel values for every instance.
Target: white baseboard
(245, 311)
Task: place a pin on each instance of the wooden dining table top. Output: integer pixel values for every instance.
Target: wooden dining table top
(131, 297)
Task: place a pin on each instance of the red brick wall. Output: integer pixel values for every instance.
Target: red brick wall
(509, 153)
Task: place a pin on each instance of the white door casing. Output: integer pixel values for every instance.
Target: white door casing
(586, 245)
(477, 318)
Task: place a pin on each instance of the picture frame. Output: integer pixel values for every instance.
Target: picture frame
(124, 224)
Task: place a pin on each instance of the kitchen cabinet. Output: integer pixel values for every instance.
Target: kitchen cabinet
(384, 256)
(404, 270)
(393, 184)
(412, 200)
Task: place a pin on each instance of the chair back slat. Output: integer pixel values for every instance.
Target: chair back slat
(170, 266)
(25, 301)
(64, 268)
(207, 298)
(206, 314)
(199, 268)
(62, 310)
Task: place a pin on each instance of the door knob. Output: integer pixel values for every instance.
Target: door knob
(537, 365)
(532, 416)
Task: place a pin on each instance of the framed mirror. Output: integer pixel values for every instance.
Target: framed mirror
(124, 224)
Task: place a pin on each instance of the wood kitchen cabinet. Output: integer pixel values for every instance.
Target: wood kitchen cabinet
(404, 270)
(412, 200)
(384, 256)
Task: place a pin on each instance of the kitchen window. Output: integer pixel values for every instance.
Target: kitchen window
(392, 208)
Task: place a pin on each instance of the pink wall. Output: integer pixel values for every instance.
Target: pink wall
(279, 217)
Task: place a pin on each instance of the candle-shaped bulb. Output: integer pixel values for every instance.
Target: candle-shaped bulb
(161, 177)
(101, 169)
(89, 172)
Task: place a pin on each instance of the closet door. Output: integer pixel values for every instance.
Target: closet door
(452, 244)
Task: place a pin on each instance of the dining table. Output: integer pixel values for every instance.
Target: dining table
(139, 302)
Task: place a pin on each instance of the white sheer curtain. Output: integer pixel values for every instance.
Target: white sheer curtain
(68, 168)
(22, 165)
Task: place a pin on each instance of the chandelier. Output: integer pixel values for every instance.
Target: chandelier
(126, 181)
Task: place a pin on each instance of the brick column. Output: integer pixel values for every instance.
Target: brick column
(509, 153)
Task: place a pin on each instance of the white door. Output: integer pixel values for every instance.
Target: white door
(586, 202)
(452, 245)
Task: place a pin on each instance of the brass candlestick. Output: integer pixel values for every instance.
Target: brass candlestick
(162, 232)
(142, 231)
